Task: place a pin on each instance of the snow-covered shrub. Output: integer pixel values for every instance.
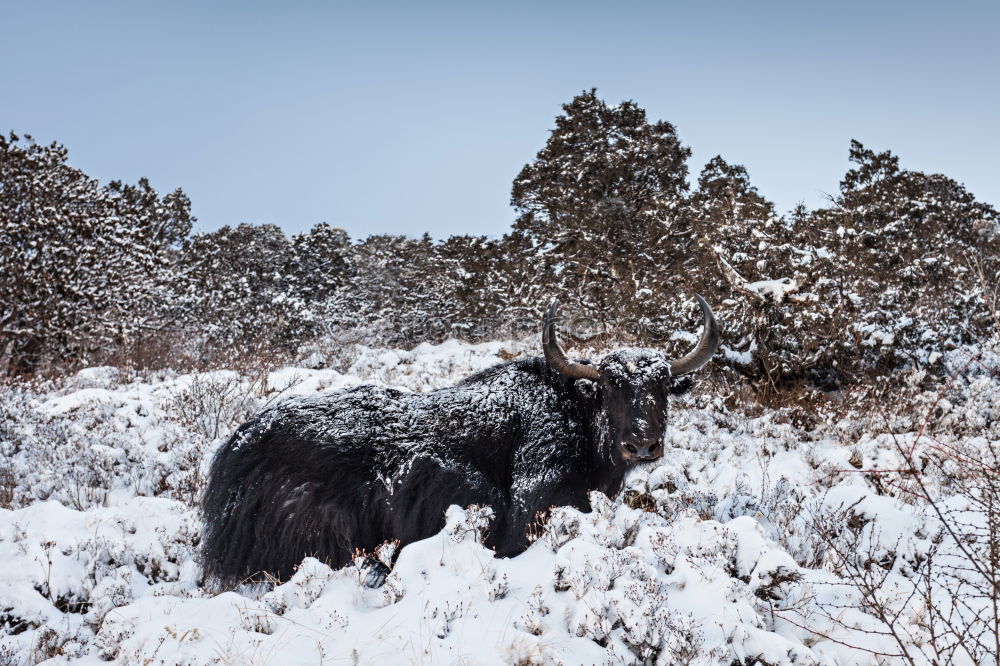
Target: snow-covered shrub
(213, 404)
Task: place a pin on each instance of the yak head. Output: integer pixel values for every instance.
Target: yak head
(632, 387)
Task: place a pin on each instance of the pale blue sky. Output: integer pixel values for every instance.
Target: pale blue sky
(401, 118)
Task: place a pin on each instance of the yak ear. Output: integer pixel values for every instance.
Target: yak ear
(680, 385)
(586, 389)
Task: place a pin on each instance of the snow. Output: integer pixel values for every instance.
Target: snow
(776, 290)
(100, 550)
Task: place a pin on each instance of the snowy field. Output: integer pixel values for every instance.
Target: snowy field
(743, 545)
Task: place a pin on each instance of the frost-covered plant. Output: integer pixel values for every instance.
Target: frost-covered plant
(83, 266)
(533, 618)
(213, 404)
(472, 522)
(561, 525)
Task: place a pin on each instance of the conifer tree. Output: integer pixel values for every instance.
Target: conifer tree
(906, 245)
(236, 285)
(83, 266)
(598, 205)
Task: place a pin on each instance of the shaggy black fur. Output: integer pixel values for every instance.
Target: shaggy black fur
(326, 475)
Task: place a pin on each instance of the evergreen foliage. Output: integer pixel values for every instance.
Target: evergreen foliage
(599, 205)
(900, 265)
(84, 266)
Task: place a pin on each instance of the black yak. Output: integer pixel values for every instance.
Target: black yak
(329, 474)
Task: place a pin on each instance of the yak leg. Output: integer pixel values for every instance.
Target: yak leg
(526, 508)
(420, 498)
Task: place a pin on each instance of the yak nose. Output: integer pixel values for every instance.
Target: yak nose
(644, 450)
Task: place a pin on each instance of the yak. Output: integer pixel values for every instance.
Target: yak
(328, 475)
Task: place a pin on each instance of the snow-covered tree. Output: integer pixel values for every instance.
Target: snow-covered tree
(321, 263)
(391, 289)
(907, 246)
(235, 285)
(744, 258)
(736, 225)
(83, 266)
(599, 204)
(488, 292)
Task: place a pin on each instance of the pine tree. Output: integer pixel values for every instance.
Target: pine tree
(598, 205)
(236, 285)
(391, 292)
(320, 261)
(738, 226)
(743, 258)
(906, 246)
(320, 269)
(83, 267)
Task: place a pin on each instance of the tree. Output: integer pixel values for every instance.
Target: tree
(392, 292)
(741, 226)
(321, 263)
(743, 257)
(598, 205)
(907, 245)
(236, 286)
(321, 269)
(83, 267)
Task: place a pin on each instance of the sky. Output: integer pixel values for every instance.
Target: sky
(413, 117)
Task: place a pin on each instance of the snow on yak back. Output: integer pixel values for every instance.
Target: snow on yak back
(328, 474)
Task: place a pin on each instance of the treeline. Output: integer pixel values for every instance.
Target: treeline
(898, 266)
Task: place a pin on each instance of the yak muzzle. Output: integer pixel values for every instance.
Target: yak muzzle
(641, 451)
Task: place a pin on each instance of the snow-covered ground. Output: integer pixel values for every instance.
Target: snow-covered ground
(737, 547)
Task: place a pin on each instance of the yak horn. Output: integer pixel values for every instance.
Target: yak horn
(706, 347)
(556, 357)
